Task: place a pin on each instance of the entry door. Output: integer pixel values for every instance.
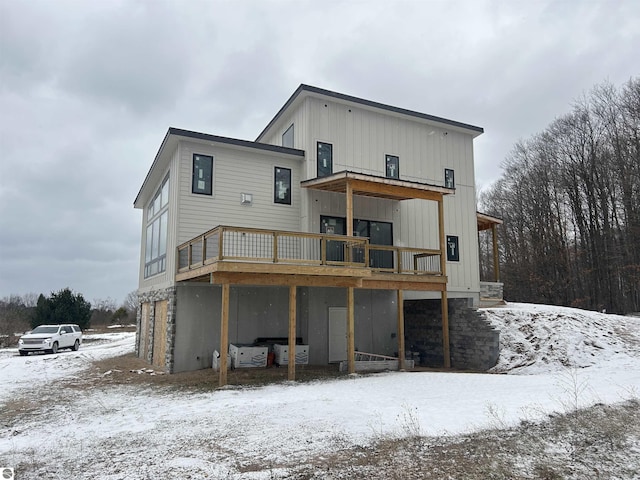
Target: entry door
(337, 334)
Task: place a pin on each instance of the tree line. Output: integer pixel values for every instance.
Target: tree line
(570, 200)
(19, 313)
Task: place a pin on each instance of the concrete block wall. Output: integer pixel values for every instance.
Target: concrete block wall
(473, 342)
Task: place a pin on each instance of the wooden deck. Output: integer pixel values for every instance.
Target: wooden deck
(251, 256)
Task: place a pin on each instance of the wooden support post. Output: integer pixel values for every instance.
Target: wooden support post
(220, 243)
(445, 330)
(401, 353)
(349, 210)
(443, 298)
(292, 333)
(496, 262)
(351, 349)
(349, 248)
(443, 243)
(224, 335)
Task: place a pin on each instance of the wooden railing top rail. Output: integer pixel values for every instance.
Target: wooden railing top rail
(340, 238)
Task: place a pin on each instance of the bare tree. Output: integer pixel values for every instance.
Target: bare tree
(570, 198)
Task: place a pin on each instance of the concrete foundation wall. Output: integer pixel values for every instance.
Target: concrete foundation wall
(375, 320)
(193, 324)
(264, 312)
(253, 312)
(474, 344)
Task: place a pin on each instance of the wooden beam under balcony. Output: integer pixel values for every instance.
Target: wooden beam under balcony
(270, 279)
(394, 281)
(374, 186)
(277, 270)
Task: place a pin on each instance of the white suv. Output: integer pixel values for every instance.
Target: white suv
(50, 339)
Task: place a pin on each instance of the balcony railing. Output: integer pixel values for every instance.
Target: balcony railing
(239, 244)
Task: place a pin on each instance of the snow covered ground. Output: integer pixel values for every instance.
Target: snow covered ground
(556, 359)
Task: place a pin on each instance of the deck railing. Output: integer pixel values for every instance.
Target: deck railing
(224, 243)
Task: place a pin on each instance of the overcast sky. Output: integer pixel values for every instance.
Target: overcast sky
(89, 88)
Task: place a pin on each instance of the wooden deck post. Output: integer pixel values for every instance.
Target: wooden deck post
(443, 297)
(224, 335)
(351, 350)
(445, 330)
(443, 243)
(401, 353)
(349, 210)
(292, 332)
(496, 263)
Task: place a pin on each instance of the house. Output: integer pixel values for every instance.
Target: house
(348, 225)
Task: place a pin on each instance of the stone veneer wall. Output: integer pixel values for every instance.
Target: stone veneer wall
(473, 342)
(491, 290)
(152, 297)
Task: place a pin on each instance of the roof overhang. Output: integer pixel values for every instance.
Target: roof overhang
(304, 91)
(175, 135)
(380, 187)
(485, 222)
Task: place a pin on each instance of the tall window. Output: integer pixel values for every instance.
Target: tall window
(155, 255)
(392, 166)
(325, 159)
(202, 174)
(287, 137)
(282, 186)
(449, 178)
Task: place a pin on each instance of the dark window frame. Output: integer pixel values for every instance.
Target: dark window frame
(453, 255)
(392, 160)
(378, 259)
(286, 142)
(287, 198)
(330, 167)
(157, 221)
(449, 174)
(208, 182)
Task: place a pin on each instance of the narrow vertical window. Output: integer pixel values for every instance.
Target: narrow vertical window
(453, 253)
(325, 159)
(202, 174)
(155, 252)
(287, 137)
(449, 179)
(392, 166)
(282, 186)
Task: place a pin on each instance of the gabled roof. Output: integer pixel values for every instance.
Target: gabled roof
(172, 137)
(308, 89)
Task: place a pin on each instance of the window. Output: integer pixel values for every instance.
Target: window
(287, 137)
(453, 254)
(282, 186)
(155, 254)
(325, 159)
(392, 166)
(202, 174)
(449, 179)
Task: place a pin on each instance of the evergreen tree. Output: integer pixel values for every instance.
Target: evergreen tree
(62, 307)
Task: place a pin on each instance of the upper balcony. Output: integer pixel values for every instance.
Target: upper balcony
(252, 256)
